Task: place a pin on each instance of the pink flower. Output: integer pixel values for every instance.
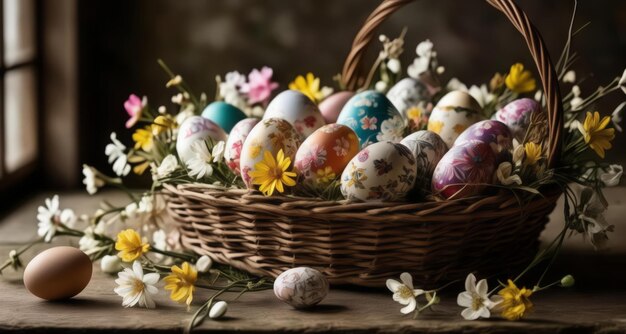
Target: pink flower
(259, 86)
(368, 123)
(134, 106)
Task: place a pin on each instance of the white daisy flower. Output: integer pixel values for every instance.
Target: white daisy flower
(167, 166)
(115, 152)
(404, 293)
(218, 151)
(47, 218)
(201, 164)
(91, 181)
(135, 287)
(475, 299)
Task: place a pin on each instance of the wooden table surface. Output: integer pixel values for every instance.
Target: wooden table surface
(597, 304)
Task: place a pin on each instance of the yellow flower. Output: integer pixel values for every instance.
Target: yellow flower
(414, 113)
(515, 302)
(144, 139)
(162, 124)
(325, 175)
(272, 173)
(181, 281)
(519, 80)
(595, 133)
(435, 126)
(533, 153)
(255, 150)
(310, 87)
(130, 245)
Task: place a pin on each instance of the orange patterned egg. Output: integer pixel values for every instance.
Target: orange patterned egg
(323, 156)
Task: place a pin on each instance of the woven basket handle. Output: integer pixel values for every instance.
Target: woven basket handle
(352, 75)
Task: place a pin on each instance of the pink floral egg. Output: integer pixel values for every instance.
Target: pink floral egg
(516, 115)
(196, 128)
(383, 171)
(235, 141)
(464, 171)
(272, 135)
(332, 105)
(323, 156)
(493, 133)
(297, 109)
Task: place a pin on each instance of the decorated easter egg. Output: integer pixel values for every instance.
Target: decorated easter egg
(382, 171)
(58, 273)
(373, 118)
(493, 133)
(196, 128)
(408, 93)
(272, 135)
(235, 141)
(464, 171)
(454, 113)
(323, 156)
(301, 287)
(331, 106)
(297, 109)
(516, 115)
(223, 114)
(427, 147)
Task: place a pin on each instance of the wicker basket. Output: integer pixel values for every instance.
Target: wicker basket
(366, 243)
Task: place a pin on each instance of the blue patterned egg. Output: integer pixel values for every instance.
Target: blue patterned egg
(373, 118)
(408, 93)
(196, 128)
(516, 115)
(464, 171)
(297, 109)
(223, 114)
(454, 113)
(272, 135)
(382, 171)
(493, 133)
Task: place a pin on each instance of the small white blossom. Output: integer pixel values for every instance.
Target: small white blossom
(393, 65)
(391, 130)
(574, 125)
(419, 66)
(570, 77)
(47, 218)
(218, 151)
(136, 288)
(110, 264)
(162, 110)
(576, 101)
(404, 293)
(456, 84)
(611, 175)
(616, 116)
(178, 98)
(481, 94)
(115, 152)
(204, 263)
(167, 166)
(622, 82)
(475, 299)
(424, 49)
(505, 176)
(88, 243)
(68, 218)
(380, 86)
(201, 164)
(538, 95)
(91, 181)
(440, 70)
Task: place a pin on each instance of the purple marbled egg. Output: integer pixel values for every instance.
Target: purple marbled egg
(464, 171)
(493, 133)
(516, 115)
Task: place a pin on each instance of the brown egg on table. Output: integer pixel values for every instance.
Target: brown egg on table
(58, 273)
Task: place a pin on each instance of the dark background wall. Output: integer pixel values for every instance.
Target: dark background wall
(120, 40)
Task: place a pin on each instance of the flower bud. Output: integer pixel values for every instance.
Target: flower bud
(218, 310)
(110, 264)
(567, 281)
(203, 264)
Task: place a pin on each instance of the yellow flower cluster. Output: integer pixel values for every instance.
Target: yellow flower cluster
(144, 137)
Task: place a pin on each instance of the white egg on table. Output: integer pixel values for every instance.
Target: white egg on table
(301, 287)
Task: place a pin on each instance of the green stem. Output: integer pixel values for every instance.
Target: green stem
(20, 252)
(177, 255)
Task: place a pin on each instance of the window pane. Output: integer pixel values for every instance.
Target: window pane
(20, 118)
(19, 31)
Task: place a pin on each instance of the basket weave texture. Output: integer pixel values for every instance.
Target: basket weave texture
(366, 243)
